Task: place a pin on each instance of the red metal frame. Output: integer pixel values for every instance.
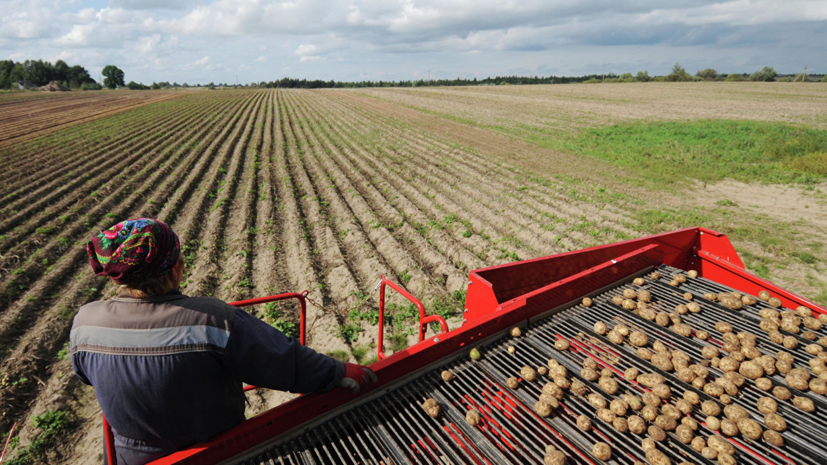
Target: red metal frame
(501, 297)
(424, 319)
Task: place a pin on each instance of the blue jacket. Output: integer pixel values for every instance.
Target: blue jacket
(167, 371)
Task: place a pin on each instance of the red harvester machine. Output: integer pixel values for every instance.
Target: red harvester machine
(387, 425)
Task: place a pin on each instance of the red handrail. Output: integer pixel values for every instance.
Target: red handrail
(423, 318)
(302, 298)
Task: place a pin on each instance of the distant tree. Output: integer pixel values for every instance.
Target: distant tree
(78, 76)
(90, 86)
(735, 77)
(60, 72)
(39, 72)
(766, 74)
(708, 74)
(155, 86)
(136, 86)
(678, 74)
(6, 67)
(824, 79)
(626, 77)
(113, 76)
(643, 76)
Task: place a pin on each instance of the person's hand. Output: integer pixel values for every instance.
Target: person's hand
(357, 377)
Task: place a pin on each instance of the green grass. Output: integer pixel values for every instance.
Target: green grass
(710, 150)
(51, 426)
(339, 355)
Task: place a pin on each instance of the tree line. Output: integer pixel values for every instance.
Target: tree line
(40, 73)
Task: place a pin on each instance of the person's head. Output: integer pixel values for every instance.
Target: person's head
(141, 254)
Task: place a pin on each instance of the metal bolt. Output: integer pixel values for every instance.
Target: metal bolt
(464, 320)
(436, 339)
(470, 282)
(466, 310)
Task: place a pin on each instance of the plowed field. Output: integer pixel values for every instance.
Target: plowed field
(273, 191)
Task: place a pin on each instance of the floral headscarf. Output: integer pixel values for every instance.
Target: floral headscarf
(134, 250)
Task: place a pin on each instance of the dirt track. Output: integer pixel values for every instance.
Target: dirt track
(273, 191)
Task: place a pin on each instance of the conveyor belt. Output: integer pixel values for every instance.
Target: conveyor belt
(394, 428)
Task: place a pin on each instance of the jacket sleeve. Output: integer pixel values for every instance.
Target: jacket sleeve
(258, 354)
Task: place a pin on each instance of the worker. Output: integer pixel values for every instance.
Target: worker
(167, 368)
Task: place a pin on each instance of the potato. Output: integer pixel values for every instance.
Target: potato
(601, 328)
(555, 458)
(686, 375)
(713, 423)
(780, 392)
(650, 379)
(543, 409)
(773, 438)
(472, 417)
(679, 278)
(618, 300)
(606, 415)
(662, 391)
(692, 397)
(698, 443)
(578, 388)
(648, 444)
(542, 371)
(639, 281)
(597, 401)
(615, 337)
(561, 344)
(681, 309)
(693, 307)
(553, 390)
(562, 382)
(709, 352)
(750, 352)
(819, 386)
(711, 408)
(511, 349)
(636, 424)
(663, 319)
(729, 428)
(647, 313)
(656, 433)
(723, 327)
(684, 434)
(790, 342)
(666, 423)
(764, 384)
(690, 423)
(749, 300)
(588, 374)
(660, 348)
(698, 383)
(620, 424)
(621, 329)
(584, 423)
(634, 402)
(776, 337)
(649, 398)
(688, 296)
(631, 373)
(714, 390)
(709, 453)
(431, 407)
(629, 294)
(674, 283)
(447, 376)
(728, 364)
(609, 385)
(649, 412)
(672, 411)
(804, 404)
(602, 451)
(725, 399)
(515, 331)
(726, 459)
(735, 412)
(736, 378)
(813, 349)
(774, 302)
(662, 362)
(682, 329)
(768, 325)
(732, 303)
(751, 370)
(607, 373)
(809, 335)
(813, 323)
(558, 372)
(654, 275)
(644, 296)
(512, 382)
(528, 373)
(629, 304)
(775, 422)
(783, 366)
(619, 407)
(767, 405)
(781, 355)
(644, 353)
(552, 363)
(550, 400)
(798, 380)
(656, 457)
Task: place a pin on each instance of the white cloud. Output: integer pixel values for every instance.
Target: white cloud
(311, 58)
(260, 59)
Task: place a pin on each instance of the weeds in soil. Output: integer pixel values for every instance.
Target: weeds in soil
(276, 319)
(349, 332)
(339, 355)
(52, 425)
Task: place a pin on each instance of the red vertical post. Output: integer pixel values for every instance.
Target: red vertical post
(380, 344)
(109, 439)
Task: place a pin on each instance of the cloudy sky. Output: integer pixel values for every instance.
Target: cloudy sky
(198, 41)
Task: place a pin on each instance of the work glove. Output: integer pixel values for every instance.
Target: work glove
(357, 377)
